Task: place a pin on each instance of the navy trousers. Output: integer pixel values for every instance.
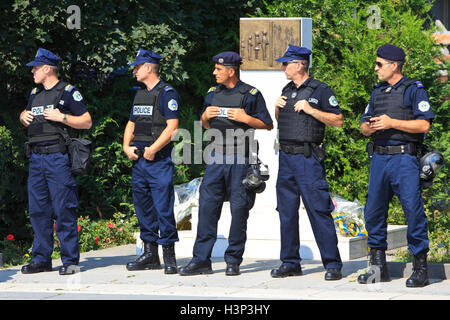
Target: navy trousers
(305, 177)
(153, 197)
(395, 174)
(52, 194)
(221, 182)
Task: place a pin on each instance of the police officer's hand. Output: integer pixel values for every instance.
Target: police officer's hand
(303, 105)
(382, 122)
(129, 151)
(53, 115)
(26, 117)
(149, 154)
(280, 102)
(211, 112)
(237, 115)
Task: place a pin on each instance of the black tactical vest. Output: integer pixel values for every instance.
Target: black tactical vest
(229, 99)
(149, 122)
(389, 101)
(299, 127)
(40, 129)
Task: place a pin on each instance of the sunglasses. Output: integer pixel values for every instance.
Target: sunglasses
(286, 63)
(380, 65)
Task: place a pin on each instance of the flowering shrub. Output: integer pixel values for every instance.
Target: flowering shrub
(93, 235)
(11, 250)
(100, 234)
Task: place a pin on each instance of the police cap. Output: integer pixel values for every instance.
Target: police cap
(391, 52)
(44, 57)
(295, 53)
(228, 58)
(144, 56)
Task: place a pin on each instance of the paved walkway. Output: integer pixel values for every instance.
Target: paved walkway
(103, 276)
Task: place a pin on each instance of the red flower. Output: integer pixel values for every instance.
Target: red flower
(110, 225)
(54, 226)
(79, 228)
(96, 240)
(10, 237)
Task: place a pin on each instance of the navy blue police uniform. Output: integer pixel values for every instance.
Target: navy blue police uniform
(302, 173)
(394, 167)
(152, 180)
(223, 177)
(52, 190)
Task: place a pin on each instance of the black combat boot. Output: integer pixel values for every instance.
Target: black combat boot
(419, 278)
(378, 271)
(170, 262)
(148, 260)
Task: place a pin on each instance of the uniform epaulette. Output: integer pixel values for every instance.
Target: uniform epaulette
(212, 89)
(254, 91)
(168, 88)
(419, 84)
(68, 88)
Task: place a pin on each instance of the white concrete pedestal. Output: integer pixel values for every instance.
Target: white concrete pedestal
(263, 237)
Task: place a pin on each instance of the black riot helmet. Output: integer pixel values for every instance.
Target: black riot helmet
(256, 176)
(430, 164)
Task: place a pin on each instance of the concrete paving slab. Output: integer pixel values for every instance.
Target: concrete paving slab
(103, 276)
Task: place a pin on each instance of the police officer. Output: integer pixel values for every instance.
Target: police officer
(147, 141)
(304, 108)
(52, 190)
(233, 106)
(397, 117)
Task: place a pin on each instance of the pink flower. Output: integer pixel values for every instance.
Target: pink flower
(120, 230)
(10, 237)
(110, 225)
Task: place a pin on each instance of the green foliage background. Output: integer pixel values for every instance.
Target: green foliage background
(187, 34)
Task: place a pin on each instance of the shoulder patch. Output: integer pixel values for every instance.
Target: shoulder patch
(253, 91)
(77, 96)
(34, 91)
(333, 101)
(419, 84)
(424, 106)
(68, 88)
(172, 105)
(212, 89)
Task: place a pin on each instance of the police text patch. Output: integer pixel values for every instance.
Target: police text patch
(37, 111)
(142, 110)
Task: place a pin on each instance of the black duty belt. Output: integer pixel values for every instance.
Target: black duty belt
(53, 148)
(401, 149)
(295, 149)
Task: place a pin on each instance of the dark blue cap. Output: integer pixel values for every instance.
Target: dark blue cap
(144, 56)
(228, 58)
(44, 57)
(390, 52)
(295, 53)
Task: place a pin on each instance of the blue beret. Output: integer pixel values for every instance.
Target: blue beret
(295, 53)
(44, 57)
(390, 52)
(144, 56)
(228, 58)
